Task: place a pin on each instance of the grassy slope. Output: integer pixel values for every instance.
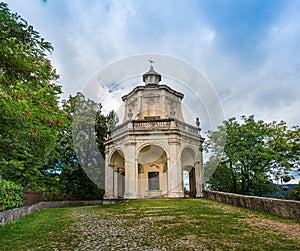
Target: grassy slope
(181, 224)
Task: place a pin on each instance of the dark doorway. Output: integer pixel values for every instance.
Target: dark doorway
(153, 180)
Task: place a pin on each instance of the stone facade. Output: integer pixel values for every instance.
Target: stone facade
(147, 154)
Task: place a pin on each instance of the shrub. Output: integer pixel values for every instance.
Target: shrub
(294, 194)
(57, 196)
(11, 195)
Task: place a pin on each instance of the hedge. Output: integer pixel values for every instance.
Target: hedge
(11, 195)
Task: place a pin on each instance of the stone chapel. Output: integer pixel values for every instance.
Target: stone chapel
(146, 155)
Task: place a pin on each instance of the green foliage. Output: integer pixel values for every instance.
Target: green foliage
(89, 133)
(286, 178)
(248, 155)
(295, 194)
(222, 179)
(93, 194)
(102, 127)
(285, 145)
(22, 50)
(112, 120)
(83, 126)
(29, 113)
(11, 195)
(37, 137)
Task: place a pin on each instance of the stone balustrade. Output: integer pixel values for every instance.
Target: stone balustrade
(154, 124)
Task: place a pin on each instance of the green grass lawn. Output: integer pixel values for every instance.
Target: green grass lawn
(177, 224)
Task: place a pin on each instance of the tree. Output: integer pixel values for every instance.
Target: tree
(112, 120)
(29, 113)
(295, 194)
(76, 167)
(38, 139)
(254, 151)
(101, 128)
(285, 145)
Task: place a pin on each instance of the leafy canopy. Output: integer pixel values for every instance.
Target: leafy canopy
(248, 155)
(29, 111)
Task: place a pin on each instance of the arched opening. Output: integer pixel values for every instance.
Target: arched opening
(186, 183)
(118, 166)
(152, 172)
(188, 172)
(189, 181)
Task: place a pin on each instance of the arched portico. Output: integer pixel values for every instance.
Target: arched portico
(152, 172)
(117, 164)
(188, 161)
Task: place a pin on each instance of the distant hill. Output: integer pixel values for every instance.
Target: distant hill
(282, 191)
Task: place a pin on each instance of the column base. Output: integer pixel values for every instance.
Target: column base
(199, 195)
(130, 196)
(178, 194)
(109, 196)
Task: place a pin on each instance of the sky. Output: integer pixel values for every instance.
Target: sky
(249, 50)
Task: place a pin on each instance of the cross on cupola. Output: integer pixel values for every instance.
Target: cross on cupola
(151, 77)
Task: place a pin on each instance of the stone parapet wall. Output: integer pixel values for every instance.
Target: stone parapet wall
(17, 213)
(282, 208)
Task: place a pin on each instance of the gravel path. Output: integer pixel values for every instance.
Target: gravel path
(96, 230)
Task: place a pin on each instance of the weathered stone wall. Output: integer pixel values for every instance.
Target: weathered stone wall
(17, 213)
(283, 208)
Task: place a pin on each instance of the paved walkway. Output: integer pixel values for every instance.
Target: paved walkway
(99, 231)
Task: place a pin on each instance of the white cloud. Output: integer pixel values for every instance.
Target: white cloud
(89, 35)
(270, 89)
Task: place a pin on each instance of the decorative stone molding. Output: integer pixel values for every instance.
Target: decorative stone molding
(152, 97)
(131, 102)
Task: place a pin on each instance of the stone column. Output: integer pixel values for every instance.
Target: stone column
(168, 177)
(115, 183)
(108, 177)
(126, 112)
(164, 104)
(174, 171)
(139, 108)
(108, 183)
(199, 174)
(201, 169)
(131, 177)
(137, 178)
(156, 106)
(147, 107)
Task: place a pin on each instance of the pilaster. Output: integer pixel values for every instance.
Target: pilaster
(131, 172)
(175, 177)
(199, 174)
(108, 182)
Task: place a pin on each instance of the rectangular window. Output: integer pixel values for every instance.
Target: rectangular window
(153, 180)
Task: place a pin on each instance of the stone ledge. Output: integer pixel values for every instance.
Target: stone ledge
(17, 213)
(279, 207)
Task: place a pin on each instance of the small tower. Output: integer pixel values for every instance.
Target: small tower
(147, 154)
(151, 77)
